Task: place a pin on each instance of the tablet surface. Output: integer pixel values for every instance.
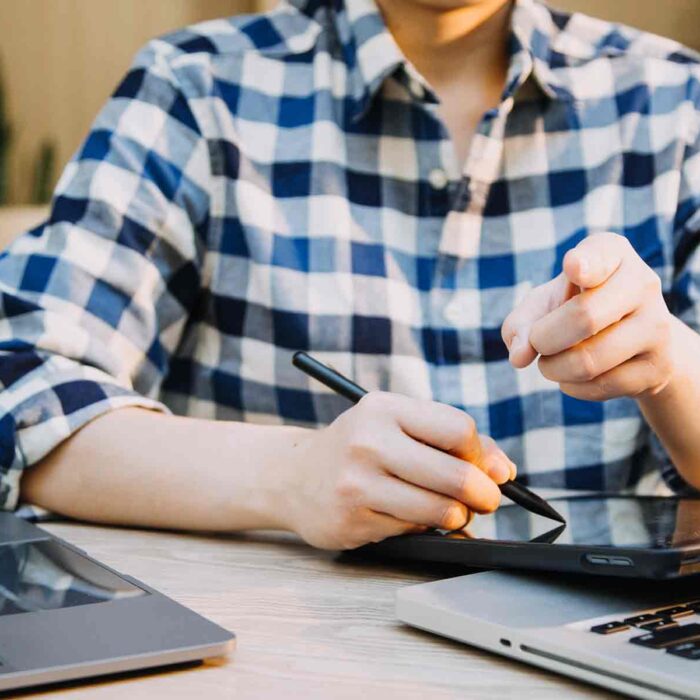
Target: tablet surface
(645, 537)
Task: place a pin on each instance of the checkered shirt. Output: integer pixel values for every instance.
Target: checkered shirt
(279, 182)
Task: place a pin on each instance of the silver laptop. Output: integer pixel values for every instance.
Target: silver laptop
(638, 637)
(64, 616)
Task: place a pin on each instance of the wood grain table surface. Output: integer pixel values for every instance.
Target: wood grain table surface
(309, 625)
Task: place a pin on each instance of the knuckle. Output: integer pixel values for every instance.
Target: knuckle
(604, 388)
(362, 447)
(350, 490)
(452, 515)
(538, 341)
(365, 451)
(655, 374)
(585, 364)
(461, 481)
(467, 430)
(460, 428)
(653, 285)
(586, 317)
(662, 329)
(544, 364)
(507, 329)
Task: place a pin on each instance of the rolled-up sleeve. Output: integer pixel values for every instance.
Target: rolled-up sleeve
(94, 302)
(684, 297)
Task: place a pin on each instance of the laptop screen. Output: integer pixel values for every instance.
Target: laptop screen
(596, 521)
(47, 575)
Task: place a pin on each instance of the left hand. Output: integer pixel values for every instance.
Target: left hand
(601, 328)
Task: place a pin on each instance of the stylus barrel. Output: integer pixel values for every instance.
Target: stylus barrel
(529, 500)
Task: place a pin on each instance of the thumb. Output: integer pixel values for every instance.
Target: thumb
(536, 305)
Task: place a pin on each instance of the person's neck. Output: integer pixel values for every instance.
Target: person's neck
(439, 41)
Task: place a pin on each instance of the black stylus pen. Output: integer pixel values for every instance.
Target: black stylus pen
(347, 388)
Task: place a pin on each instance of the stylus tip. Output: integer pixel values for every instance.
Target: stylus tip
(551, 513)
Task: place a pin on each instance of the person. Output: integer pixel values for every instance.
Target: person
(429, 195)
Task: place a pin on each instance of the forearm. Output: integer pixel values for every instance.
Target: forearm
(137, 467)
(674, 413)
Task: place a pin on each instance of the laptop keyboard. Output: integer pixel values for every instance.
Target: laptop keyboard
(674, 630)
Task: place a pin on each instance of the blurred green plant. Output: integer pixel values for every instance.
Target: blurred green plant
(44, 165)
(5, 143)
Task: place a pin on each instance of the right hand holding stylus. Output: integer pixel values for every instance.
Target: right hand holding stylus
(390, 465)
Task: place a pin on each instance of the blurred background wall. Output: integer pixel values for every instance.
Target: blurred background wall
(61, 58)
(679, 19)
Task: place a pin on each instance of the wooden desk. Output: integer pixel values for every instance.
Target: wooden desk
(309, 626)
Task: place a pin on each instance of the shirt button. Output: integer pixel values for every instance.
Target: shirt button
(437, 178)
(453, 313)
(416, 88)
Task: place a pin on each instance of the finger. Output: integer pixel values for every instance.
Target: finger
(393, 527)
(536, 305)
(629, 379)
(492, 459)
(590, 312)
(606, 350)
(595, 259)
(379, 526)
(439, 425)
(444, 474)
(416, 505)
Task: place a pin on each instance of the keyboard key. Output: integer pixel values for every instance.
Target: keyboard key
(659, 624)
(639, 620)
(694, 605)
(668, 637)
(610, 627)
(676, 611)
(688, 650)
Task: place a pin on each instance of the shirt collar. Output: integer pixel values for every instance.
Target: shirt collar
(369, 48)
(533, 32)
(371, 53)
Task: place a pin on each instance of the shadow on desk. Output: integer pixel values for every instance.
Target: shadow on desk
(371, 565)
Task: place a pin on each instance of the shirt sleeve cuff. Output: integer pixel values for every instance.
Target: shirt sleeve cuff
(49, 407)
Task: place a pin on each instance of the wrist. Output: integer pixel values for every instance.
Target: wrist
(263, 494)
(281, 476)
(683, 344)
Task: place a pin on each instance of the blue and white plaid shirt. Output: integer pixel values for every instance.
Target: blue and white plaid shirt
(271, 183)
